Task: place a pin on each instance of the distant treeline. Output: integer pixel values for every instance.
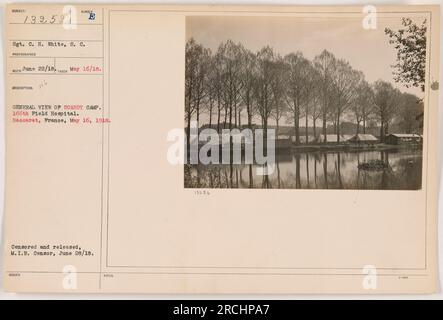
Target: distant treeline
(235, 84)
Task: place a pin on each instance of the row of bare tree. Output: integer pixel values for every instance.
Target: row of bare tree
(234, 84)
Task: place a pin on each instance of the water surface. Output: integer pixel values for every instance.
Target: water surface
(317, 170)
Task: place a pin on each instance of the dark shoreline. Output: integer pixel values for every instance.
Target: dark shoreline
(348, 147)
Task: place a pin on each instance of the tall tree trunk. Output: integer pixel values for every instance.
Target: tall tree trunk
(324, 127)
(314, 128)
(197, 111)
(189, 114)
(306, 128)
(338, 128)
(249, 114)
(218, 117)
(230, 140)
(235, 115)
(297, 124)
(295, 127)
(230, 117)
(265, 137)
(210, 115)
(188, 135)
(239, 118)
(382, 131)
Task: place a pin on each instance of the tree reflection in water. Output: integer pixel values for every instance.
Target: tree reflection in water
(301, 170)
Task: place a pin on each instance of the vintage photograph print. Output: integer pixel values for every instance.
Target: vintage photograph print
(305, 102)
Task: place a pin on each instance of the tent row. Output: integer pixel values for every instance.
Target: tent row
(393, 138)
(331, 138)
(289, 140)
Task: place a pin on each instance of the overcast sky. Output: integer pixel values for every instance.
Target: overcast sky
(366, 50)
